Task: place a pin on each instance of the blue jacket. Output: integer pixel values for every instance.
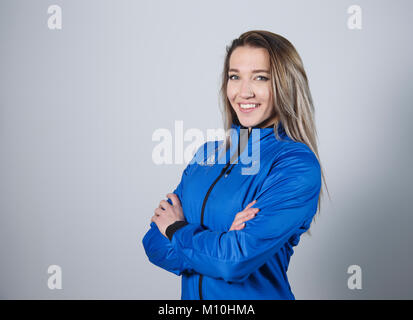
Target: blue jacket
(284, 177)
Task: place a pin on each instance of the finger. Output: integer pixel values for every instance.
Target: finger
(246, 212)
(241, 226)
(239, 217)
(244, 219)
(164, 204)
(249, 214)
(250, 204)
(249, 217)
(251, 211)
(238, 227)
(174, 198)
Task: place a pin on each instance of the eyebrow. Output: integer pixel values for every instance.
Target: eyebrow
(253, 71)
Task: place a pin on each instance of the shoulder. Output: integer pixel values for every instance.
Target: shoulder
(205, 151)
(297, 161)
(296, 151)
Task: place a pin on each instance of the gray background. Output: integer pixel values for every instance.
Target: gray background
(78, 107)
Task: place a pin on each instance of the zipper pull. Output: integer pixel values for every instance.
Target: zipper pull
(229, 171)
(225, 168)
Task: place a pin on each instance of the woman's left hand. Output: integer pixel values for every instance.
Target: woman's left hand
(167, 214)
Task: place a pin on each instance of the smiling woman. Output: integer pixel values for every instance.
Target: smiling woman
(249, 89)
(231, 236)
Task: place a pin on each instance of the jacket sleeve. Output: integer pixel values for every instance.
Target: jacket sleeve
(157, 247)
(287, 201)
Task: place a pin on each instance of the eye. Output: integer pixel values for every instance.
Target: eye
(230, 77)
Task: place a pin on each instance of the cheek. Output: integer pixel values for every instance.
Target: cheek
(264, 94)
(231, 92)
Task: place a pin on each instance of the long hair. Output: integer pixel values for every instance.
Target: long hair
(293, 103)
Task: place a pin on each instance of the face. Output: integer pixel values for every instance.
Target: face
(249, 86)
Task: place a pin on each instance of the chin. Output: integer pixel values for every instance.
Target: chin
(247, 122)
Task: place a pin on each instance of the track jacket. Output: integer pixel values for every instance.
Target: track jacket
(284, 177)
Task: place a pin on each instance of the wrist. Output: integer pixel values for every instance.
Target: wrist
(172, 228)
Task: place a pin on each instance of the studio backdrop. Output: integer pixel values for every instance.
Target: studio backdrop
(89, 89)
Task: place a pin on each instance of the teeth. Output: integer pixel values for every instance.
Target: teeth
(248, 106)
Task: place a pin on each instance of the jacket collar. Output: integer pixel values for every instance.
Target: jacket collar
(258, 133)
(240, 139)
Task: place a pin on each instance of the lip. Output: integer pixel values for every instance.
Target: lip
(248, 110)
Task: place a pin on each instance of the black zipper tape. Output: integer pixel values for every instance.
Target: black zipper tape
(209, 191)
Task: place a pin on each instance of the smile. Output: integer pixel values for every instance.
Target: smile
(246, 108)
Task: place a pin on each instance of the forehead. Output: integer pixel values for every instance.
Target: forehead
(245, 58)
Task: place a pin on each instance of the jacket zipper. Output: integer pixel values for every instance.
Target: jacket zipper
(206, 198)
(202, 217)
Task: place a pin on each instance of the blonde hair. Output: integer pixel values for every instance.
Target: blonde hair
(293, 103)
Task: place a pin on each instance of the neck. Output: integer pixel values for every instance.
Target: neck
(265, 123)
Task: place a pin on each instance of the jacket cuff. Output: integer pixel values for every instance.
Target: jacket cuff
(172, 228)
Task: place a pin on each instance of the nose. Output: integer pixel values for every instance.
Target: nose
(245, 90)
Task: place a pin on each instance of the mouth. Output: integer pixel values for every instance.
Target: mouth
(247, 108)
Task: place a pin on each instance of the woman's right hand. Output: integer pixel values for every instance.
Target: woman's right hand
(243, 216)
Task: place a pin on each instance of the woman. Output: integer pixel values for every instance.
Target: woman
(228, 231)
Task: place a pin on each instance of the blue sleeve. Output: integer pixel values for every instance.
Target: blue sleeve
(287, 201)
(158, 248)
